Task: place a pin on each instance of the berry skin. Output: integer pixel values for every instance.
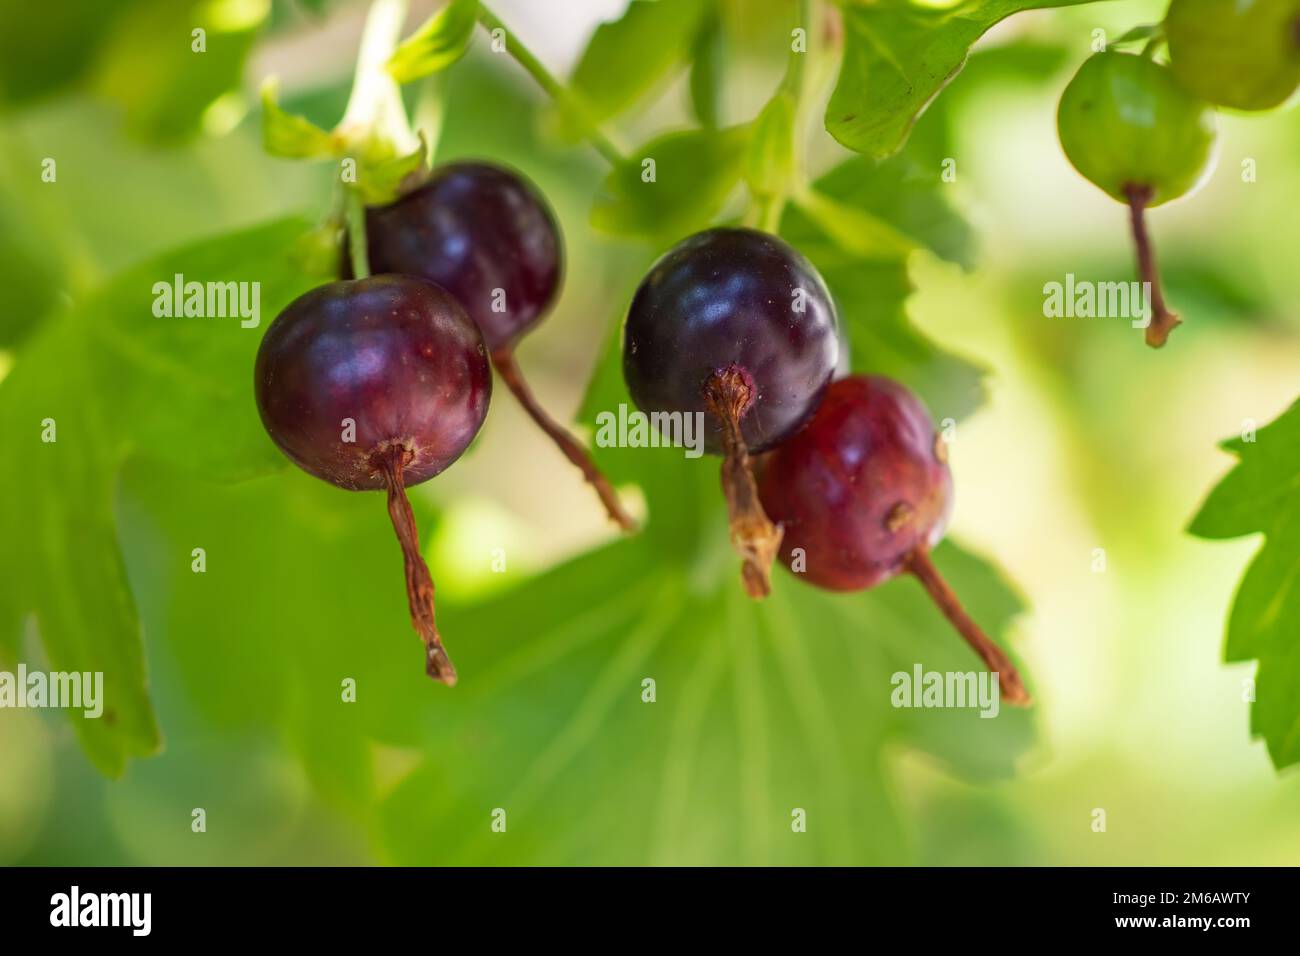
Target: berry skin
(398, 358)
(730, 298)
(864, 493)
(474, 229)
(1129, 128)
(486, 235)
(1243, 54)
(393, 353)
(861, 487)
(1124, 122)
(735, 325)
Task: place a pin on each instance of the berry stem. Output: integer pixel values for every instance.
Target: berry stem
(1162, 320)
(375, 114)
(728, 394)
(561, 94)
(503, 360)
(1013, 689)
(419, 584)
(358, 249)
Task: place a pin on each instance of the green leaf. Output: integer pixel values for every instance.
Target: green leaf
(289, 136)
(151, 63)
(708, 71)
(897, 57)
(381, 182)
(865, 219)
(627, 57)
(673, 185)
(440, 42)
(61, 562)
(117, 379)
(769, 163)
(1262, 495)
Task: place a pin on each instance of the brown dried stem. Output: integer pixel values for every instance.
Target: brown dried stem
(1162, 320)
(503, 360)
(728, 395)
(1013, 689)
(419, 584)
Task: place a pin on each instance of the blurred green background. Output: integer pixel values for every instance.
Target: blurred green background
(1085, 439)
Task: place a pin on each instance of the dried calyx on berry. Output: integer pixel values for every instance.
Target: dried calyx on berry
(864, 493)
(736, 326)
(486, 235)
(377, 383)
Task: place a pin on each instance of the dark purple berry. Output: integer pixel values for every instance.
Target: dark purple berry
(863, 493)
(738, 326)
(486, 235)
(377, 383)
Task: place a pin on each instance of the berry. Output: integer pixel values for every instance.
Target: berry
(864, 493)
(486, 235)
(736, 325)
(1128, 127)
(376, 383)
(1244, 54)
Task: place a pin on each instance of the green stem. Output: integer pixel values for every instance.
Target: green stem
(357, 247)
(375, 117)
(556, 90)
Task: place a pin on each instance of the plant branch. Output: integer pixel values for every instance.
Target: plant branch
(358, 248)
(561, 94)
(375, 117)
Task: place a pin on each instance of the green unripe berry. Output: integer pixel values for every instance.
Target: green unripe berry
(1239, 53)
(1125, 123)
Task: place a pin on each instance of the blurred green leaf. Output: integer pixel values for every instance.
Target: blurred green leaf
(870, 218)
(289, 136)
(708, 70)
(672, 185)
(46, 47)
(164, 73)
(114, 378)
(627, 57)
(437, 44)
(1262, 495)
(769, 162)
(897, 57)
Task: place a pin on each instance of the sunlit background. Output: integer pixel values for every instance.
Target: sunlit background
(1088, 440)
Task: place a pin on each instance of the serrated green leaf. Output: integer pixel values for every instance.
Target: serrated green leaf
(118, 379)
(437, 44)
(289, 136)
(1262, 495)
(61, 562)
(672, 185)
(897, 57)
(627, 57)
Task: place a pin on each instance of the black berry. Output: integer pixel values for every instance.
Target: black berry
(377, 383)
(738, 326)
(487, 236)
